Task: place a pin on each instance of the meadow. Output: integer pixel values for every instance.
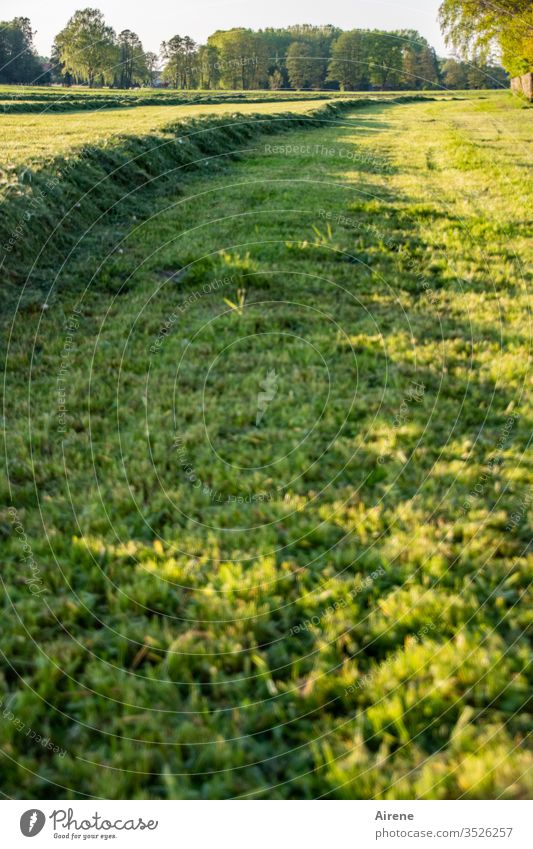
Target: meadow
(267, 436)
(31, 99)
(31, 131)
(31, 137)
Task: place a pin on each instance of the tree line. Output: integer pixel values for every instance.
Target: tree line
(88, 51)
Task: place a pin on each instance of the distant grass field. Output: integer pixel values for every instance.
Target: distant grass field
(26, 138)
(268, 448)
(21, 99)
(53, 99)
(29, 138)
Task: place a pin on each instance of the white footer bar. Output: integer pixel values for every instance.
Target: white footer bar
(268, 824)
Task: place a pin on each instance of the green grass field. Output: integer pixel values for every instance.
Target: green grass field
(19, 100)
(267, 431)
(27, 138)
(41, 134)
(31, 99)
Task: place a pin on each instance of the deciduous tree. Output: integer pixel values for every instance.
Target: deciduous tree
(478, 27)
(181, 56)
(18, 60)
(132, 67)
(385, 59)
(152, 67)
(243, 58)
(349, 63)
(87, 47)
(303, 67)
(208, 67)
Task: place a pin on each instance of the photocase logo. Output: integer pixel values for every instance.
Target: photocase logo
(32, 822)
(270, 389)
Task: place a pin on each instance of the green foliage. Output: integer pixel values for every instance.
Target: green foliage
(420, 67)
(469, 75)
(516, 42)
(87, 47)
(349, 63)
(208, 67)
(305, 70)
(151, 61)
(391, 60)
(385, 60)
(180, 56)
(275, 80)
(478, 27)
(132, 63)
(18, 60)
(242, 58)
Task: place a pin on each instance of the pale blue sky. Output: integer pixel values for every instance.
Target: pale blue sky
(160, 19)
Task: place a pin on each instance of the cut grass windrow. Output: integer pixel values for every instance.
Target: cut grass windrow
(46, 203)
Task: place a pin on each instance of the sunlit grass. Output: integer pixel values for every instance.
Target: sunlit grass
(29, 138)
(196, 642)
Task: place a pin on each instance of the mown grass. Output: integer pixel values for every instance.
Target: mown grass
(47, 204)
(22, 99)
(28, 138)
(332, 602)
